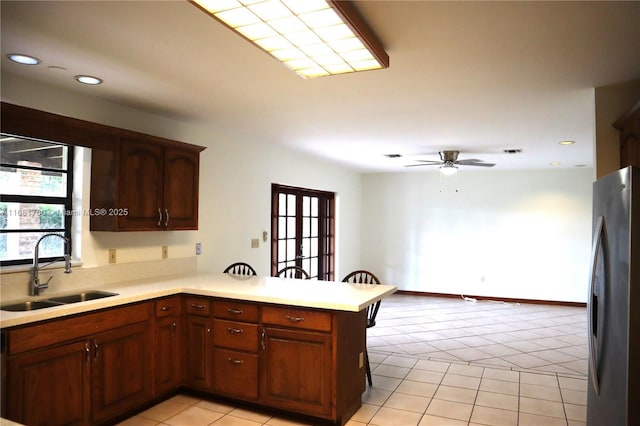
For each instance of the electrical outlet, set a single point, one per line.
(198, 248)
(112, 255)
(255, 243)
(165, 252)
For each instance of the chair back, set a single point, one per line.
(365, 277)
(293, 272)
(240, 268)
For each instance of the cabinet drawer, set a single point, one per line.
(235, 335)
(235, 374)
(167, 306)
(198, 306)
(297, 318)
(237, 311)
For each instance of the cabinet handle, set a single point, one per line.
(234, 330)
(198, 306)
(166, 308)
(294, 319)
(262, 334)
(95, 349)
(166, 222)
(173, 328)
(235, 361)
(235, 311)
(159, 217)
(87, 353)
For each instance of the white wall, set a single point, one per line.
(509, 234)
(235, 186)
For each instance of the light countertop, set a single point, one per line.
(295, 292)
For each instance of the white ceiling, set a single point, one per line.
(479, 77)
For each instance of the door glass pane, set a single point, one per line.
(282, 204)
(282, 228)
(313, 268)
(291, 249)
(314, 206)
(291, 205)
(306, 206)
(314, 227)
(282, 250)
(306, 247)
(306, 227)
(291, 227)
(314, 247)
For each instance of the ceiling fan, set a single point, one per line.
(449, 162)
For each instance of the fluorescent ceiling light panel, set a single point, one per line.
(312, 37)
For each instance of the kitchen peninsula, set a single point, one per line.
(297, 346)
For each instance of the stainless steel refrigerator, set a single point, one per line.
(614, 301)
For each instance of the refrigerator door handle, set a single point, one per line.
(595, 252)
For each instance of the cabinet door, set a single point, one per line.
(296, 371)
(121, 371)
(167, 354)
(140, 186)
(198, 359)
(50, 386)
(180, 189)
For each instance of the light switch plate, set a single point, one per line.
(255, 243)
(112, 255)
(165, 252)
(198, 248)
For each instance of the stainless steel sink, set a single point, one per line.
(82, 297)
(57, 301)
(30, 306)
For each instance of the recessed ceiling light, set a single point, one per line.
(555, 163)
(23, 59)
(567, 142)
(88, 79)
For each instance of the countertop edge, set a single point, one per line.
(257, 289)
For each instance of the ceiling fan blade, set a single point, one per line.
(426, 163)
(474, 163)
(429, 161)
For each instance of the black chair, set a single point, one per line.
(240, 268)
(293, 272)
(366, 277)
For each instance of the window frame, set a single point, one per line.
(66, 202)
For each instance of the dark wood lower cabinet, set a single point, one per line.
(50, 387)
(121, 370)
(296, 371)
(198, 346)
(168, 345)
(97, 368)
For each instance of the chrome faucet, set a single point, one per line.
(35, 282)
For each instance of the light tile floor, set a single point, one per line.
(440, 361)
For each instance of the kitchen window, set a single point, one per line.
(303, 226)
(36, 181)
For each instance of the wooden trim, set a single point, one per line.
(35, 124)
(495, 299)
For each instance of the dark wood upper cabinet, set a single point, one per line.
(155, 187)
(139, 182)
